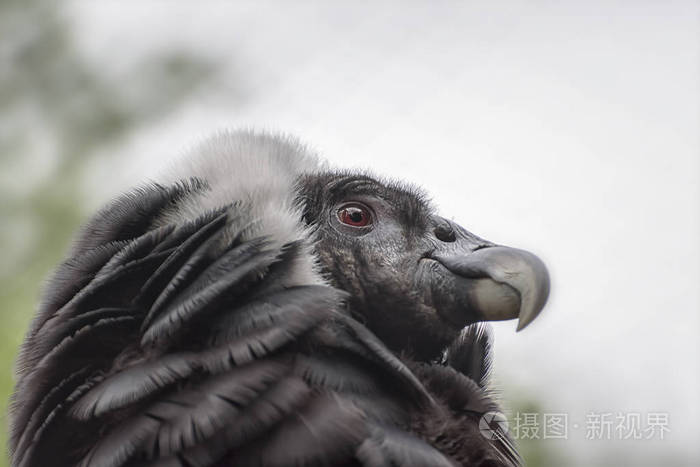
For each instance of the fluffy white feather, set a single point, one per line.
(258, 172)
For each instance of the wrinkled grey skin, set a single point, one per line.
(414, 270)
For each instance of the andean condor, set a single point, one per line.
(257, 308)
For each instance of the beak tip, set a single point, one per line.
(528, 314)
(522, 324)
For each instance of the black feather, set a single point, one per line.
(54, 398)
(135, 384)
(188, 265)
(325, 432)
(53, 451)
(387, 447)
(255, 331)
(339, 372)
(471, 353)
(181, 420)
(191, 236)
(350, 335)
(224, 277)
(69, 356)
(267, 411)
(108, 232)
(135, 250)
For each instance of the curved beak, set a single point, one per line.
(507, 282)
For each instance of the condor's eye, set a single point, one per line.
(354, 215)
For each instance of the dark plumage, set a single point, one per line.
(268, 312)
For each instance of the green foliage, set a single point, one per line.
(57, 110)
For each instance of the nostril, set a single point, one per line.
(445, 233)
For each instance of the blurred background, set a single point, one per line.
(566, 128)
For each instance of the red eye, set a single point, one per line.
(355, 216)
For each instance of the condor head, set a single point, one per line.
(415, 279)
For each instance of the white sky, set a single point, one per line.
(566, 128)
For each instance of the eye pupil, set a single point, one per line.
(354, 216)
